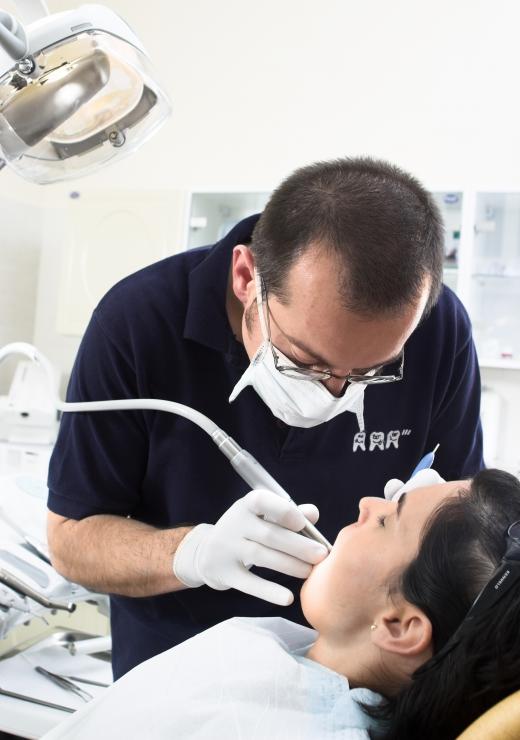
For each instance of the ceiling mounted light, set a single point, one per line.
(76, 91)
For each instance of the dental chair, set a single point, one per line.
(501, 722)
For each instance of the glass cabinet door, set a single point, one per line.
(495, 279)
(213, 215)
(450, 204)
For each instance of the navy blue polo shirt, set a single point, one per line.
(164, 333)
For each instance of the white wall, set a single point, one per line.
(506, 385)
(20, 237)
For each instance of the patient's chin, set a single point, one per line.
(306, 601)
(310, 591)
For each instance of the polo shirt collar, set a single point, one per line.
(206, 318)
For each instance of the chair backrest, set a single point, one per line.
(501, 722)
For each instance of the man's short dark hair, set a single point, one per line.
(382, 224)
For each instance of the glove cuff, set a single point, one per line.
(185, 558)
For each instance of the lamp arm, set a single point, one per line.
(12, 36)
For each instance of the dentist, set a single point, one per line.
(320, 337)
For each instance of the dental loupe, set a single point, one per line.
(247, 467)
(76, 91)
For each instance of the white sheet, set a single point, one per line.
(243, 679)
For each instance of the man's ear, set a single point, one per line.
(243, 274)
(403, 630)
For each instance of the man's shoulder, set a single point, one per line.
(158, 293)
(163, 280)
(448, 324)
(449, 308)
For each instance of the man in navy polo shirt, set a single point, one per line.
(326, 323)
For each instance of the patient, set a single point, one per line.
(395, 588)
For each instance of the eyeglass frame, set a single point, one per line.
(307, 373)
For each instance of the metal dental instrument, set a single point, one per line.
(34, 700)
(89, 646)
(89, 681)
(64, 683)
(23, 589)
(247, 467)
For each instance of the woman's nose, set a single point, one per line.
(369, 505)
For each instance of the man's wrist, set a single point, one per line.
(184, 562)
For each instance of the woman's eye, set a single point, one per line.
(381, 520)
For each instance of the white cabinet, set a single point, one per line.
(212, 215)
(494, 297)
(450, 204)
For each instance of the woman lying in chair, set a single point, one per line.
(416, 612)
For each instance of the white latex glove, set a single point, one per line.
(426, 477)
(259, 529)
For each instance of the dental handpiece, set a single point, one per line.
(250, 470)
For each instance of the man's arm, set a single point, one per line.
(113, 554)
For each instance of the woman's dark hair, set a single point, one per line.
(379, 221)
(462, 544)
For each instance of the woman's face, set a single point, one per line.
(345, 590)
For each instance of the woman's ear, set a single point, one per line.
(243, 274)
(403, 630)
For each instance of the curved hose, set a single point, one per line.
(146, 404)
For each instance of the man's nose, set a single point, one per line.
(335, 386)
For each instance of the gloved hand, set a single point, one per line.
(426, 477)
(259, 529)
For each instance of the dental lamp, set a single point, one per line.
(76, 91)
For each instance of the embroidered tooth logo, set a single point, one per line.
(379, 440)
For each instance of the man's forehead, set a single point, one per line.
(314, 316)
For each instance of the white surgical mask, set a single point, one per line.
(299, 403)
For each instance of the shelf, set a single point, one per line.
(499, 364)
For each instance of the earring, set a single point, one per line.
(373, 627)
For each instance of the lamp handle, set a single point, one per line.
(31, 10)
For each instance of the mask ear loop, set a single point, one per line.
(260, 305)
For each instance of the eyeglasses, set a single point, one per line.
(506, 575)
(309, 373)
